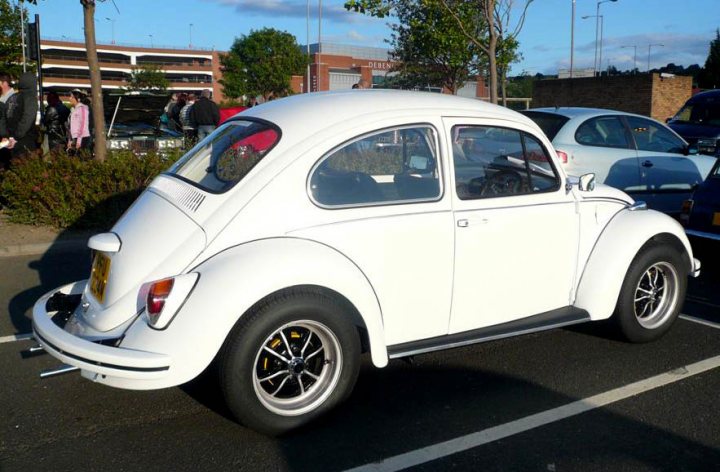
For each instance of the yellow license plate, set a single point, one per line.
(99, 276)
(716, 218)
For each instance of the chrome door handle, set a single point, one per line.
(463, 223)
(647, 164)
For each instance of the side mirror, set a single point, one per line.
(692, 150)
(587, 183)
(668, 120)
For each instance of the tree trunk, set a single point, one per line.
(492, 49)
(95, 79)
(503, 85)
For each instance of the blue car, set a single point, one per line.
(698, 122)
(701, 214)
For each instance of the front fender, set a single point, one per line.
(232, 281)
(615, 249)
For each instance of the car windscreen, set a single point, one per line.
(225, 157)
(702, 113)
(550, 123)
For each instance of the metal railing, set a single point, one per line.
(134, 45)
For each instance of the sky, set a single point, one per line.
(684, 28)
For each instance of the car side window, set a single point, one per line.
(498, 162)
(651, 136)
(605, 131)
(392, 166)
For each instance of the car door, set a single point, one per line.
(605, 148)
(668, 176)
(516, 227)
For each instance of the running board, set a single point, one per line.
(63, 369)
(565, 316)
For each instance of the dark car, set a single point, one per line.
(698, 122)
(133, 122)
(701, 214)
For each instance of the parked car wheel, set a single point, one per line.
(652, 294)
(289, 361)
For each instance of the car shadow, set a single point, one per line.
(67, 259)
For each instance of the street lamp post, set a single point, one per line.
(112, 22)
(649, 48)
(597, 65)
(190, 43)
(598, 19)
(634, 55)
(152, 45)
(572, 38)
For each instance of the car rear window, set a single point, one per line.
(225, 157)
(550, 123)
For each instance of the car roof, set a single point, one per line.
(325, 109)
(581, 112)
(699, 97)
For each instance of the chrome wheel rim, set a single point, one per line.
(297, 368)
(656, 295)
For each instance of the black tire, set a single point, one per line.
(272, 395)
(652, 293)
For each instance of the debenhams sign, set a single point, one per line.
(380, 65)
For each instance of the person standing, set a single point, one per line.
(205, 114)
(22, 109)
(56, 116)
(6, 91)
(79, 137)
(188, 125)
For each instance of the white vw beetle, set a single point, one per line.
(314, 228)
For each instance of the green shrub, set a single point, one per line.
(77, 192)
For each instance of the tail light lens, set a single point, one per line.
(562, 155)
(687, 207)
(156, 297)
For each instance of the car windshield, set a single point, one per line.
(550, 123)
(700, 113)
(225, 157)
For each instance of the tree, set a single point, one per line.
(710, 75)
(148, 77)
(488, 28)
(95, 79)
(262, 63)
(10, 38)
(428, 47)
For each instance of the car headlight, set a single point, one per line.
(119, 144)
(169, 143)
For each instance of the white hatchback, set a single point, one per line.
(310, 229)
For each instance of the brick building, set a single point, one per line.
(656, 95)
(339, 66)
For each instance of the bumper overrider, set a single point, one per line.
(110, 364)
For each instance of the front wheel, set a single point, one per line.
(652, 294)
(289, 361)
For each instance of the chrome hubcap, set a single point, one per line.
(297, 368)
(656, 295)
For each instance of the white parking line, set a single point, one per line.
(15, 337)
(700, 321)
(470, 441)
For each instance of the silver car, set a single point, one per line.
(633, 153)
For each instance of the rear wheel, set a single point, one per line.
(289, 361)
(652, 294)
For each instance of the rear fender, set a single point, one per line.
(234, 280)
(616, 248)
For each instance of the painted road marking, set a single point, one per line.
(15, 337)
(700, 321)
(486, 436)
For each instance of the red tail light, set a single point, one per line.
(687, 207)
(562, 155)
(158, 293)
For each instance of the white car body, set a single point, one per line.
(421, 275)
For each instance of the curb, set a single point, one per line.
(67, 245)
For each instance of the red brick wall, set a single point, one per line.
(642, 94)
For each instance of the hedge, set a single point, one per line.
(78, 192)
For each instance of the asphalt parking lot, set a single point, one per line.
(567, 399)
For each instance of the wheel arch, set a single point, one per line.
(621, 240)
(233, 281)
